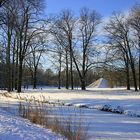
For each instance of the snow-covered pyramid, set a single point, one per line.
(100, 83)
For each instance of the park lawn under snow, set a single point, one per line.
(100, 125)
(117, 99)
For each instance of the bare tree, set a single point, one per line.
(62, 30)
(57, 59)
(134, 21)
(66, 23)
(59, 55)
(7, 17)
(26, 23)
(119, 32)
(36, 50)
(117, 57)
(87, 25)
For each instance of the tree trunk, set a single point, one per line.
(16, 64)
(127, 76)
(83, 84)
(71, 59)
(34, 82)
(139, 69)
(134, 76)
(13, 74)
(132, 64)
(59, 80)
(34, 79)
(139, 63)
(59, 73)
(16, 71)
(13, 67)
(19, 77)
(67, 71)
(126, 60)
(83, 87)
(71, 71)
(8, 62)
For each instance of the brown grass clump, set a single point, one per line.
(38, 113)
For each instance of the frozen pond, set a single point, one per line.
(97, 124)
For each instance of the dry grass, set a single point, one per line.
(38, 113)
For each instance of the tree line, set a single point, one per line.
(71, 42)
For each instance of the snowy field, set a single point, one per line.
(120, 119)
(97, 98)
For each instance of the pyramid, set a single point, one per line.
(100, 83)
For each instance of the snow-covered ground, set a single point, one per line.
(100, 125)
(116, 99)
(15, 128)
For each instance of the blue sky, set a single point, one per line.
(104, 7)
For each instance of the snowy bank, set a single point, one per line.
(16, 128)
